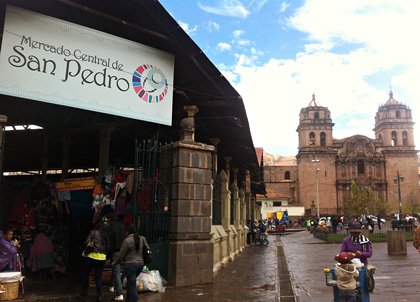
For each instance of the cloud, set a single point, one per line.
(222, 46)
(242, 42)
(212, 26)
(187, 29)
(257, 5)
(284, 6)
(351, 56)
(237, 33)
(228, 8)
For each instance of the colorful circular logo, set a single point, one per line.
(150, 83)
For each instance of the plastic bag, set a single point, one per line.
(150, 281)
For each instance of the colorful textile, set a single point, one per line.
(8, 254)
(42, 253)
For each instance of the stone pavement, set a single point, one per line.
(258, 273)
(396, 277)
(262, 274)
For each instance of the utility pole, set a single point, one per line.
(398, 179)
(316, 161)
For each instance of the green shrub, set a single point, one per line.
(373, 237)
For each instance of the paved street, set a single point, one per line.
(254, 275)
(396, 277)
(261, 274)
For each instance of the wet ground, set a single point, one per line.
(269, 273)
(397, 278)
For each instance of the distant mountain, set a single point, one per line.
(277, 160)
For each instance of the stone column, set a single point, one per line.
(189, 165)
(215, 141)
(227, 160)
(242, 217)
(236, 201)
(242, 206)
(248, 195)
(225, 200)
(253, 214)
(104, 143)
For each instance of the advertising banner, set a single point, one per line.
(50, 60)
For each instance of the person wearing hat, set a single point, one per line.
(346, 277)
(357, 243)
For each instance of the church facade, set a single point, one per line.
(387, 164)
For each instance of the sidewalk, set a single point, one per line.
(396, 277)
(254, 275)
(268, 274)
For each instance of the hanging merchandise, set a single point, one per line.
(107, 180)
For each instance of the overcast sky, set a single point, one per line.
(277, 53)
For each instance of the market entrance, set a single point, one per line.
(151, 205)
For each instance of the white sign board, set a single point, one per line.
(54, 61)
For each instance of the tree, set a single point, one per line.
(411, 206)
(362, 200)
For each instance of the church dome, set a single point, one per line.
(391, 100)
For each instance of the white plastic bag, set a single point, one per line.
(150, 281)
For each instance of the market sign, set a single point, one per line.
(50, 60)
(75, 184)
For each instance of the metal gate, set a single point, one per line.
(151, 202)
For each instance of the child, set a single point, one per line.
(346, 277)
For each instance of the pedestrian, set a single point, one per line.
(378, 217)
(357, 243)
(116, 238)
(9, 258)
(370, 225)
(95, 259)
(308, 224)
(334, 222)
(346, 277)
(329, 225)
(132, 256)
(416, 236)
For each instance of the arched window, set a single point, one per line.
(380, 137)
(323, 139)
(394, 138)
(316, 115)
(287, 175)
(405, 138)
(398, 114)
(312, 138)
(360, 167)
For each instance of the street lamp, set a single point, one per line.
(317, 186)
(398, 179)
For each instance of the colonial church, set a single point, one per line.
(325, 166)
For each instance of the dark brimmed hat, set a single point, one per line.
(355, 227)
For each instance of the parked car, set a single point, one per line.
(375, 219)
(408, 218)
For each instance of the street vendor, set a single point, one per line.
(8, 251)
(357, 243)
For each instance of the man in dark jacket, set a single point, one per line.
(116, 235)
